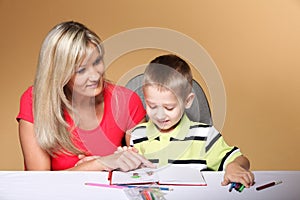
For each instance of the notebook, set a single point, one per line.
(169, 175)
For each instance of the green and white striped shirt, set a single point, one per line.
(190, 143)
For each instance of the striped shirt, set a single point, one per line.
(190, 143)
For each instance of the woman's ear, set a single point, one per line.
(189, 100)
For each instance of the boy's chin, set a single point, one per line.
(165, 129)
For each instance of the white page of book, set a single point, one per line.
(138, 176)
(171, 174)
(177, 175)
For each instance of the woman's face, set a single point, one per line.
(88, 78)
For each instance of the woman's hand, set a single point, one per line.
(83, 158)
(123, 159)
(125, 148)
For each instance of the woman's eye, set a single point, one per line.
(97, 61)
(80, 71)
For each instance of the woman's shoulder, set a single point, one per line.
(25, 111)
(113, 88)
(27, 94)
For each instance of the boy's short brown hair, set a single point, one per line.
(169, 72)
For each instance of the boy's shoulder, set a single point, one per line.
(140, 129)
(199, 125)
(200, 129)
(138, 133)
(140, 126)
(194, 124)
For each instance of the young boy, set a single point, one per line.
(170, 137)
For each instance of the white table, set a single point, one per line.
(20, 185)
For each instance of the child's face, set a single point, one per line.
(163, 107)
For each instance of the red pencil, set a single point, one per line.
(109, 176)
(268, 185)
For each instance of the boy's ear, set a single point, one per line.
(189, 100)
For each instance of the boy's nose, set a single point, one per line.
(160, 114)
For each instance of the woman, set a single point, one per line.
(79, 117)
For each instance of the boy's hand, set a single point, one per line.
(236, 173)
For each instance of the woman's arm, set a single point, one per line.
(35, 157)
(124, 160)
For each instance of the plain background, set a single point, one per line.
(255, 44)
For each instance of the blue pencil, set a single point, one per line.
(232, 186)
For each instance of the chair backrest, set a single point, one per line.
(199, 111)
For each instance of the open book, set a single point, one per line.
(169, 175)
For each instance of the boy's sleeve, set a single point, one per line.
(137, 137)
(219, 153)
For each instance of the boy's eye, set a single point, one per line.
(151, 106)
(169, 108)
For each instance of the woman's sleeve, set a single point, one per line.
(136, 109)
(26, 111)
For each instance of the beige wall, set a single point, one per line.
(255, 44)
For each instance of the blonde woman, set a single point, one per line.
(79, 117)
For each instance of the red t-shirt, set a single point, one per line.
(123, 109)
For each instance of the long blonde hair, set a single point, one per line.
(64, 47)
